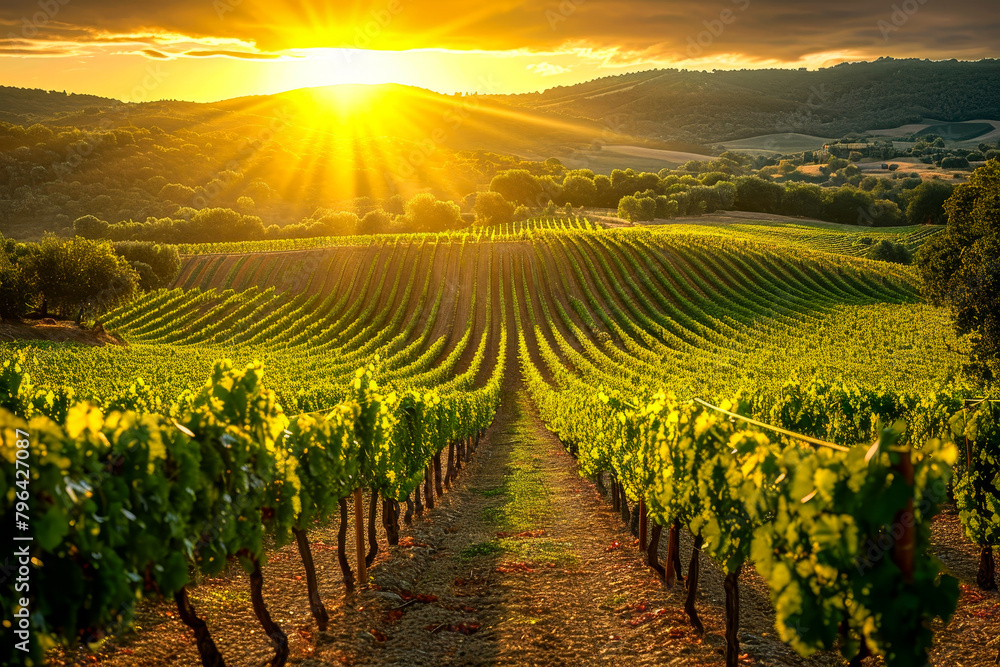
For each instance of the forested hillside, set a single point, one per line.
(716, 106)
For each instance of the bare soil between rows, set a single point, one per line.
(55, 331)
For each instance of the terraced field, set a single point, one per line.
(730, 381)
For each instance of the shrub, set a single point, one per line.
(955, 162)
(887, 251)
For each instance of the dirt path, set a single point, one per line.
(524, 564)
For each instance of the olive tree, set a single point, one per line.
(78, 276)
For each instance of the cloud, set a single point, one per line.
(629, 33)
(547, 69)
(233, 54)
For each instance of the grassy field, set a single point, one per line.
(785, 142)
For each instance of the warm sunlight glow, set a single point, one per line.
(346, 102)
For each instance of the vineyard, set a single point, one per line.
(786, 405)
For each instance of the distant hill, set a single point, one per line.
(711, 107)
(26, 106)
(664, 109)
(388, 112)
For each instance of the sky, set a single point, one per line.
(206, 50)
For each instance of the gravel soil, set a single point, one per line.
(522, 562)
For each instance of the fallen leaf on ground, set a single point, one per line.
(409, 542)
(645, 618)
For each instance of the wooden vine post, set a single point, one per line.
(903, 549)
(359, 536)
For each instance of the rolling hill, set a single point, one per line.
(710, 107)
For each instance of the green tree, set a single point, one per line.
(425, 213)
(837, 163)
(492, 209)
(162, 259)
(375, 222)
(960, 267)
(754, 193)
(926, 203)
(79, 275)
(803, 199)
(578, 190)
(220, 224)
(148, 280)
(636, 209)
(848, 206)
(14, 288)
(338, 223)
(666, 208)
(246, 205)
(518, 186)
(90, 227)
(175, 192)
